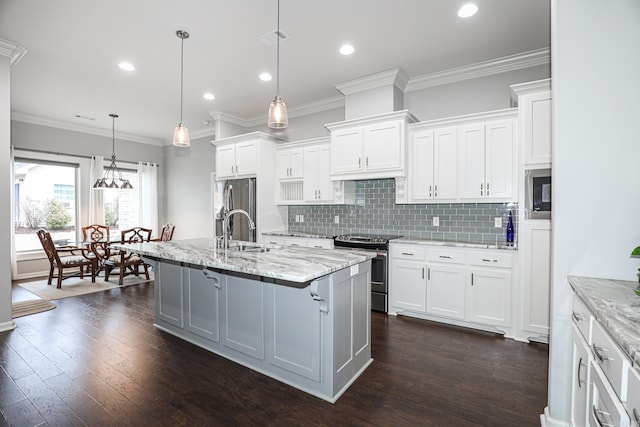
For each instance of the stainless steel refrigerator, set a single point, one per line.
(232, 194)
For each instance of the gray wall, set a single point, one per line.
(375, 212)
(188, 188)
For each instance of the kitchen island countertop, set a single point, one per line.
(616, 306)
(292, 264)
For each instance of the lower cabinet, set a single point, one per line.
(451, 285)
(580, 379)
(241, 312)
(169, 287)
(202, 311)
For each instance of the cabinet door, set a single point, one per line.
(169, 285)
(310, 180)
(471, 161)
(408, 285)
(445, 160)
(325, 185)
(499, 160)
(282, 164)
(489, 300)
(346, 151)
(580, 380)
(536, 113)
(535, 244)
(446, 290)
(241, 313)
(226, 161)
(421, 166)
(246, 158)
(289, 163)
(293, 330)
(202, 304)
(382, 147)
(296, 166)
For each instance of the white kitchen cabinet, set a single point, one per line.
(490, 296)
(432, 165)
(534, 102)
(580, 403)
(369, 148)
(317, 183)
(486, 161)
(237, 160)
(410, 285)
(446, 290)
(289, 163)
(633, 396)
(535, 251)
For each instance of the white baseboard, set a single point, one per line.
(547, 421)
(7, 326)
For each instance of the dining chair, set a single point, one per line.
(166, 233)
(98, 237)
(128, 262)
(66, 258)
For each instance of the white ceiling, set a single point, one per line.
(74, 46)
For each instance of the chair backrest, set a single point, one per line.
(95, 233)
(135, 235)
(48, 246)
(167, 232)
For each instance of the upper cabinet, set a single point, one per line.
(432, 165)
(240, 156)
(534, 104)
(289, 163)
(486, 161)
(369, 148)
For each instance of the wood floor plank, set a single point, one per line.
(104, 363)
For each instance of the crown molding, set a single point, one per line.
(395, 77)
(42, 121)
(229, 118)
(519, 61)
(530, 87)
(12, 50)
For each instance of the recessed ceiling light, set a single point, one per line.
(467, 10)
(347, 49)
(209, 96)
(126, 66)
(265, 77)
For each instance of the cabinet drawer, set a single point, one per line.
(439, 255)
(415, 252)
(606, 409)
(582, 318)
(320, 243)
(633, 396)
(609, 357)
(491, 259)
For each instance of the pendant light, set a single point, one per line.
(181, 133)
(278, 109)
(112, 169)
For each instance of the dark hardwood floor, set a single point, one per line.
(97, 360)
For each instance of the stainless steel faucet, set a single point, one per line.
(225, 225)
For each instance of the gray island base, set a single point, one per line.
(313, 333)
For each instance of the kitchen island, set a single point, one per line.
(299, 315)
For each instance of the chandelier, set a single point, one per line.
(109, 178)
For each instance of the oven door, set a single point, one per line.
(379, 282)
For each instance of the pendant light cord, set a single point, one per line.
(278, 55)
(181, 74)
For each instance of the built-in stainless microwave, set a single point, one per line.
(538, 194)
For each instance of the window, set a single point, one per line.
(45, 197)
(121, 207)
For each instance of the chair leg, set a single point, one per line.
(94, 268)
(107, 270)
(50, 275)
(59, 278)
(121, 279)
(146, 270)
(82, 272)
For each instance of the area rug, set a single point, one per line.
(33, 306)
(76, 286)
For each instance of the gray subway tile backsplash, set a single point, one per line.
(375, 212)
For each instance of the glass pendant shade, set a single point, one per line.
(181, 136)
(278, 114)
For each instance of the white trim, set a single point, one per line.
(530, 87)
(363, 121)
(507, 113)
(7, 326)
(12, 50)
(481, 69)
(395, 77)
(53, 123)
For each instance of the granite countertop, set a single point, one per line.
(418, 241)
(285, 233)
(293, 264)
(616, 307)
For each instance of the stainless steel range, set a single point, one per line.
(379, 264)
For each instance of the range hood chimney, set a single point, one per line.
(375, 94)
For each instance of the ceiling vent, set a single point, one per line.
(270, 37)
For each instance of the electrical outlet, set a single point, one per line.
(436, 221)
(336, 219)
(301, 218)
(297, 218)
(497, 222)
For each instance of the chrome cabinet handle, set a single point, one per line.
(487, 188)
(231, 168)
(580, 365)
(429, 191)
(489, 260)
(597, 413)
(428, 274)
(445, 256)
(318, 194)
(636, 415)
(577, 317)
(436, 191)
(367, 163)
(597, 351)
(471, 279)
(407, 253)
(359, 162)
(422, 273)
(481, 189)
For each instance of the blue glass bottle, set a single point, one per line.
(510, 229)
